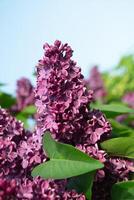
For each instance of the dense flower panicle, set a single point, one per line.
(120, 167)
(19, 149)
(20, 152)
(46, 190)
(61, 96)
(7, 189)
(36, 189)
(9, 126)
(96, 84)
(60, 88)
(11, 132)
(30, 151)
(25, 95)
(129, 99)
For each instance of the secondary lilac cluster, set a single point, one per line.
(24, 95)
(11, 132)
(96, 84)
(20, 152)
(128, 98)
(62, 102)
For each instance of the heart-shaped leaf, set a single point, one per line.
(65, 161)
(122, 146)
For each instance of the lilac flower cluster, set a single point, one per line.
(20, 152)
(46, 190)
(62, 102)
(62, 99)
(25, 95)
(96, 84)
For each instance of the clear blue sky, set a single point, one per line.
(99, 31)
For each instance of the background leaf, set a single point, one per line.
(29, 110)
(6, 100)
(120, 130)
(122, 146)
(113, 109)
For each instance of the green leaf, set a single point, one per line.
(112, 110)
(120, 130)
(6, 100)
(82, 184)
(62, 168)
(123, 191)
(65, 161)
(122, 146)
(29, 110)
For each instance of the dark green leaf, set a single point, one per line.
(122, 146)
(6, 100)
(82, 184)
(123, 191)
(120, 130)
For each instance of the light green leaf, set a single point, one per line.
(62, 168)
(113, 109)
(122, 146)
(65, 161)
(29, 110)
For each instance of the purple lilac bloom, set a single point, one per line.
(11, 132)
(20, 152)
(96, 84)
(62, 98)
(25, 95)
(46, 190)
(36, 189)
(7, 189)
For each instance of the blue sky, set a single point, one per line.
(99, 31)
